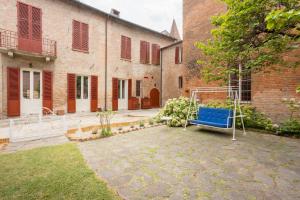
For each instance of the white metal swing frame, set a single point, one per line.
(234, 92)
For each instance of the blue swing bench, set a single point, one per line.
(214, 117)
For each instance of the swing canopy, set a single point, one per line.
(214, 117)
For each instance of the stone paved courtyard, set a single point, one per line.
(169, 163)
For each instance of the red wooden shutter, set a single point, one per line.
(128, 48)
(76, 35)
(23, 27)
(36, 30)
(142, 60)
(71, 93)
(48, 90)
(177, 55)
(29, 28)
(115, 83)
(155, 54)
(94, 93)
(84, 37)
(147, 44)
(158, 54)
(13, 92)
(123, 47)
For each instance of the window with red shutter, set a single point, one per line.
(84, 37)
(177, 55)
(142, 52)
(23, 20)
(29, 28)
(145, 52)
(80, 36)
(128, 48)
(155, 54)
(125, 47)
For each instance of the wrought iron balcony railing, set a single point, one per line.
(10, 40)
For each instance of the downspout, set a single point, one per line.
(105, 89)
(161, 78)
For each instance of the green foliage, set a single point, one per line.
(252, 118)
(279, 19)
(177, 109)
(292, 105)
(253, 34)
(142, 124)
(290, 127)
(298, 89)
(106, 132)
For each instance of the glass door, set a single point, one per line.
(83, 93)
(31, 90)
(123, 94)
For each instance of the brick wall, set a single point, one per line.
(57, 17)
(268, 89)
(149, 74)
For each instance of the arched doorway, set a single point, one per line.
(154, 98)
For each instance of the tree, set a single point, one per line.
(253, 34)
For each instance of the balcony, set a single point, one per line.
(14, 45)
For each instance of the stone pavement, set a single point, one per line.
(21, 146)
(169, 163)
(26, 129)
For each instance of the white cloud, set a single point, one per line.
(155, 14)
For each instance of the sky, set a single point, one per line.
(154, 14)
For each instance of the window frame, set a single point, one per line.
(246, 81)
(155, 54)
(180, 82)
(126, 49)
(81, 38)
(138, 89)
(144, 52)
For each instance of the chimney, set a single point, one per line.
(115, 12)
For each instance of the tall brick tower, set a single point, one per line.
(197, 26)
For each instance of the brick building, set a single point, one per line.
(263, 90)
(92, 60)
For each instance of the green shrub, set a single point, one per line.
(142, 124)
(106, 132)
(177, 109)
(290, 127)
(252, 118)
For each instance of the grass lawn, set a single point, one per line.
(50, 173)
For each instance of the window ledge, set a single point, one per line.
(79, 50)
(125, 59)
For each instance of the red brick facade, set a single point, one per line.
(268, 89)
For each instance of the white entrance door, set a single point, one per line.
(123, 94)
(31, 91)
(82, 93)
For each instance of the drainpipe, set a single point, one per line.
(161, 78)
(105, 89)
